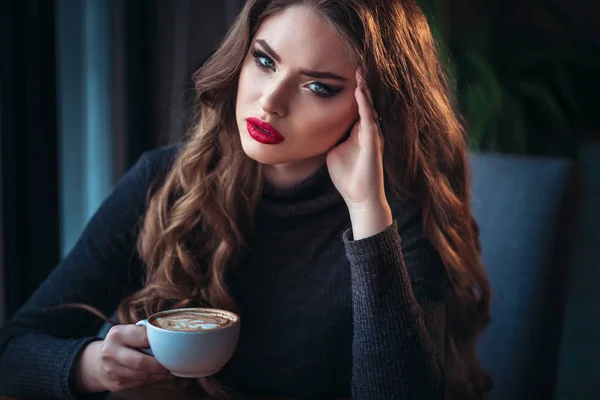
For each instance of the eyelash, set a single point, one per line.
(257, 54)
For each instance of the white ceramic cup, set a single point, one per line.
(192, 354)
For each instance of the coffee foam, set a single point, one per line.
(192, 321)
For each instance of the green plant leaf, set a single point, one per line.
(549, 114)
(487, 77)
(478, 110)
(513, 135)
(518, 91)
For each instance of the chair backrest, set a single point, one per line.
(526, 210)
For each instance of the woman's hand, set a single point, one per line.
(115, 363)
(356, 169)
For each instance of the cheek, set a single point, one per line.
(243, 80)
(247, 85)
(331, 123)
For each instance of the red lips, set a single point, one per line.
(263, 132)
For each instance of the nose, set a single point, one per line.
(274, 99)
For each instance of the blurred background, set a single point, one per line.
(88, 85)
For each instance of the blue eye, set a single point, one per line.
(321, 89)
(262, 60)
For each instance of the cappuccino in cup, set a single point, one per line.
(193, 320)
(192, 342)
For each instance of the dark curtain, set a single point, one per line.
(28, 131)
(29, 150)
(155, 48)
(134, 70)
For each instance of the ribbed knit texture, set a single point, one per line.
(322, 315)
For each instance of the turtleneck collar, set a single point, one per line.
(313, 195)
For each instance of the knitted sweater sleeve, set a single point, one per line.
(39, 345)
(399, 294)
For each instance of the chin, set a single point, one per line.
(263, 153)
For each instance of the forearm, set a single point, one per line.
(37, 365)
(369, 219)
(394, 355)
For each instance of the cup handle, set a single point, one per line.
(146, 350)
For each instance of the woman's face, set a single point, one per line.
(299, 78)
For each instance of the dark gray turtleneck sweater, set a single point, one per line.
(322, 315)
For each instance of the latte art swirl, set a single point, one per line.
(192, 321)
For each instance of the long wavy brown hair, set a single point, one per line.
(198, 217)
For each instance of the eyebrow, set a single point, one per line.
(307, 72)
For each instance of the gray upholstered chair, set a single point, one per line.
(527, 211)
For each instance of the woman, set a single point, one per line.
(323, 195)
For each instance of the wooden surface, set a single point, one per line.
(162, 392)
(168, 392)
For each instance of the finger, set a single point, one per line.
(365, 111)
(354, 130)
(129, 335)
(360, 82)
(116, 386)
(120, 373)
(358, 77)
(119, 384)
(139, 361)
(369, 95)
